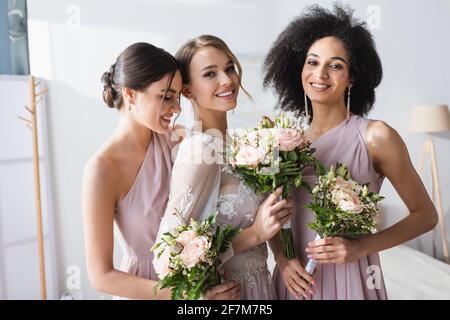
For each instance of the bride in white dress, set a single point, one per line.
(200, 186)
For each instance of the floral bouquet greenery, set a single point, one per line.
(272, 155)
(189, 257)
(342, 206)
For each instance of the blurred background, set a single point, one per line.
(67, 45)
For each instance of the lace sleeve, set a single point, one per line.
(194, 184)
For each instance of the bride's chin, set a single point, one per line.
(162, 128)
(230, 107)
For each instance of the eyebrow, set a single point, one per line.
(332, 58)
(215, 66)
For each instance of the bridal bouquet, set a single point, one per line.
(342, 206)
(190, 257)
(272, 155)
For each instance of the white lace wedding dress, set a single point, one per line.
(200, 187)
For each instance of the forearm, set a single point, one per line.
(245, 240)
(123, 284)
(277, 248)
(408, 228)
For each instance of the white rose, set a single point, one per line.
(186, 236)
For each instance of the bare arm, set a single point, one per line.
(276, 247)
(390, 156)
(98, 200)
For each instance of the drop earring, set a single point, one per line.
(348, 103)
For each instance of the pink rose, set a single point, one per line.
(290, 139)
(185, 237)
(353, 205)
(347, 200)
(162, 264)
(343, 184)
(195, 251)
(249, 156)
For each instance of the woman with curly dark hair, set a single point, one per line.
(325, 66)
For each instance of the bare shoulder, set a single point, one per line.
(384, 143)
(379, 133)
(100, 167)
(102, 171)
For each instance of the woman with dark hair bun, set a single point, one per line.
(126, 183)
(324, 65)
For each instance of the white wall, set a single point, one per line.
(19, 259)
(73, 42)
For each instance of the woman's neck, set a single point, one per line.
(133, 133)
(327, 117)
(211, 121)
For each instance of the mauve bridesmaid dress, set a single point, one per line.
(344, 143)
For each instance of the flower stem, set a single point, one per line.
(287, 241)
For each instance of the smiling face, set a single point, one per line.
(154, 107)
(325, 74)
(213, 83)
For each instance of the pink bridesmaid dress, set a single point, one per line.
(139, 213)
(361, 279)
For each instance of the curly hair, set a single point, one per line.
(283, 64)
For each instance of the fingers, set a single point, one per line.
(223, 287)
(234, 294)
(321, 249)
(297, 280)
(275, 223)
(322, 242)
(285, 218)
(290, 283)
(230, 290)
(273, 197)
(323, 256)
(292, 291)
(329, 261)
(282, 209)
(305, 275)
(282, 204)
(280, 214)
(296, 289)
(323, 252)
(327, 250)
(299, 284)
(236, 297)
(302, 272)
